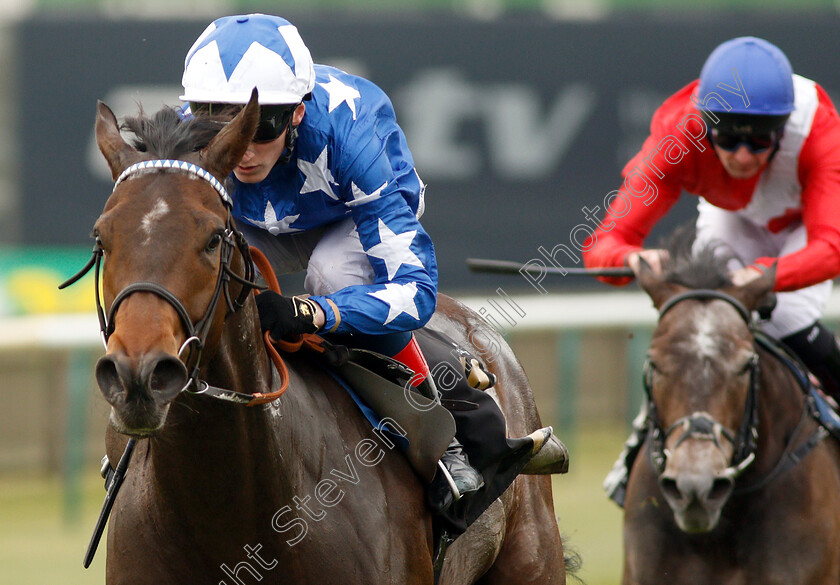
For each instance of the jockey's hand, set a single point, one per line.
(656, 258)
(286, 316)
(745, 275)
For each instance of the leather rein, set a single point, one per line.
(702, 425)
(196, 333)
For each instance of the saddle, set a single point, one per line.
(380, 386)
(383, 384)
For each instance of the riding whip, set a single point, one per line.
(535, 267)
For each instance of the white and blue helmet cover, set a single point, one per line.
(234, 54)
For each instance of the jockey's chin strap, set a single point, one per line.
(196, 333)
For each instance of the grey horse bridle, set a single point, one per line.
(701, 424)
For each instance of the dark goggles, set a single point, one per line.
(756, 143)
(274, 119)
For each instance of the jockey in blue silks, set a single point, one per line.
(327, 185)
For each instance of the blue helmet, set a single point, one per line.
(237, 53)
(766, 78)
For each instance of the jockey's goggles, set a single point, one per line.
(756, 143)
(274, 119)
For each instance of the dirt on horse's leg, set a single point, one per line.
(523, 557)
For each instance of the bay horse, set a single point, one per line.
(296, 489)
(736, 483)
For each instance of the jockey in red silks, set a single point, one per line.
(758, 146)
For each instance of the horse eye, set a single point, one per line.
(214, 242)
(98, 241)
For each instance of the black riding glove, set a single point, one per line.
(285, 316)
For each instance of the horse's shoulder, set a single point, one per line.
(315, 393)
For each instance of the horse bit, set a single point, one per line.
(701, 424)
(196, 333)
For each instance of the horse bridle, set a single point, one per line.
(196, 333)
(701, 424)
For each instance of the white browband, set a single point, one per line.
(179, 165)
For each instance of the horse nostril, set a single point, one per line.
(108, 377)
(668, 485)
(721, 488)
(167, 377)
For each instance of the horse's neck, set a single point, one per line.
(780, 404)
(241, 363)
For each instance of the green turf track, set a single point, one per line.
(39, 547)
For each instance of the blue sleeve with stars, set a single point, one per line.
(378, 183)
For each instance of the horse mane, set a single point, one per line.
(705, 266)
(167, 135)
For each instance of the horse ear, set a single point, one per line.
(116, 151)
(228, 147)
(757, 294)
(654, 284)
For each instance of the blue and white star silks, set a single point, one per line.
(351, 160)
(399, 298)
(318, 176)
(394, 249)
(272, 224)
(341, 94)
(339, 162)
(360, 197)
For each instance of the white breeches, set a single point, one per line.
(794, 310)
(332, 256)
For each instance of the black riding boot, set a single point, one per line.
(455, 477)
(818, 349)
(481, 430)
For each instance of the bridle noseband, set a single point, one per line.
(196, 333)
(701, 424)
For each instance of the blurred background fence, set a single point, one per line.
(520, 115)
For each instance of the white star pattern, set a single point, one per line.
(318, 175)
(340, 93)
(394, 249)
(400, 299)
(272, 224)
(360, 196)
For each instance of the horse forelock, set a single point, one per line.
(697, 266)
(167, 135)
